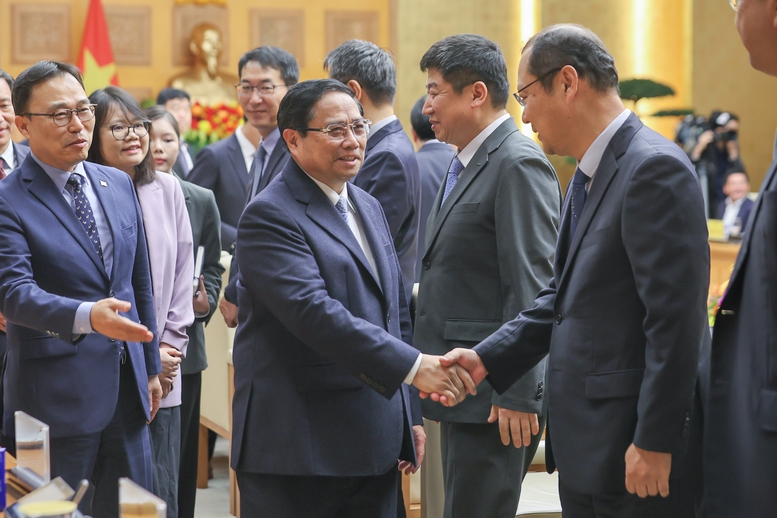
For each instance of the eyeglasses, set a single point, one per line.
(734, 4)
(121, 131)
(517, 94)
(63, 117)
(246, 90)
(336, 132)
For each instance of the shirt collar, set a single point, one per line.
(246, 147)
(9, 155)
(374, 128)
(58, 176)
(737, 203)
(469, 150)
(272, 139)
(593, 155)
(331, 193)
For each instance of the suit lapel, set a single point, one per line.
(236, 160)
(43, 188)
(108, 202)
(322, 212)
(274, 165)
(369, 219)
(468, 175)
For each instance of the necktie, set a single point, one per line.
(185, 159)
(2, 169)
(453, 176)
(255, 175)
(578, 200)
(84, 212)
(342, 208)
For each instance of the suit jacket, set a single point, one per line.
(169, 238)
(624, 317)
(744, 210)
(434, 159)
(221, 168)
(489, 250)
(206, 232)
(275, 164)
(321, 350)
(390, 174)
(741, 414)
(48, 268)
(179, 167)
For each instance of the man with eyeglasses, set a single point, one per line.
(322, 408)
(740, 421)
(489, 247)
(75, 288)
(623, 320)
(390, 171)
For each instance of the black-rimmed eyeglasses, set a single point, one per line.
(517, 94)
(246, 90)
(360, 129)
(63, 117)
(121, 131)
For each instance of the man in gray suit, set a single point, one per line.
(489, 250)
(740, 443)
(623, 319)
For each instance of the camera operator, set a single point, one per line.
(716, 149)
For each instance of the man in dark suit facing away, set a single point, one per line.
(179, 103)
(390, 170)
(489, 250)
(323, 366)
(433, 157)
(624, 318)
(740, 434)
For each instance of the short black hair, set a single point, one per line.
(157, 111)
(169, 93)
(298, 106)
(272, 57)
(38, 73)
(464, 59)
(736, 167)
(106, 100)
(420, 122)
(8, 78)
(371, 66)
(568, 44)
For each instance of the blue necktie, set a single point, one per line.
(84, 211)
(579, 182)
(453, 176)
(257, 166)
(342, 208)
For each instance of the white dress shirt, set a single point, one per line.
(466, 154)
(593, 155)
(247, 149)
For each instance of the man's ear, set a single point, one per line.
(21, 124)
(479, 92)
(356, 88)
(291, 137)
(570, 82)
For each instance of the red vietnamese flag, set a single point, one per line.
(96, 57)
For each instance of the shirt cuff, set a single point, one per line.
(82, 325)
(411, 375)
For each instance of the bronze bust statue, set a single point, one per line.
(203, 81)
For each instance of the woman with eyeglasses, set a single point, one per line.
(121, 140)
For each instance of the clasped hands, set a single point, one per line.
(448, 379)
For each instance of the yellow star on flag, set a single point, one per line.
(96, 76)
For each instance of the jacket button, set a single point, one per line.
(558, 319)
(111, 294)
(427, 265)
(388, 318)
(363, 377)
(382, 389)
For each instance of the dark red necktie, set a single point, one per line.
(2, 169)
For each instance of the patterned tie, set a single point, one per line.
(342, 208)
(255, 175)
(579, 182)
(84, 211)
(453, 176)
(2, 169)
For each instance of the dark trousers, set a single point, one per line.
(190, 443)
(289, 496)
(122, 449)
(165, 431)
(482, 476)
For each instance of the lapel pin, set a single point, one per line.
(103, 183)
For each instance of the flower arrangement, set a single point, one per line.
(213, 123)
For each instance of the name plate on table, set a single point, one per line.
(137, 502)
(33, 451)
(716, 230)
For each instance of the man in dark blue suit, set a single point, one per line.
(390, 170)
(623, 319)
(179, 103)
(11, 154)
(740, 434)
(736, 205)
(322, 407)
(74, 283)
(433, 157)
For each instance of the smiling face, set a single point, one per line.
(332, 162)
(7, 115)
(61, 147)
(447, 110)
(164, 144)
(261, 110)
(122, 154)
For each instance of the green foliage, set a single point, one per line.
(677, 112)
(636, 89)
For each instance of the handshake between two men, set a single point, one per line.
(448, 379)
